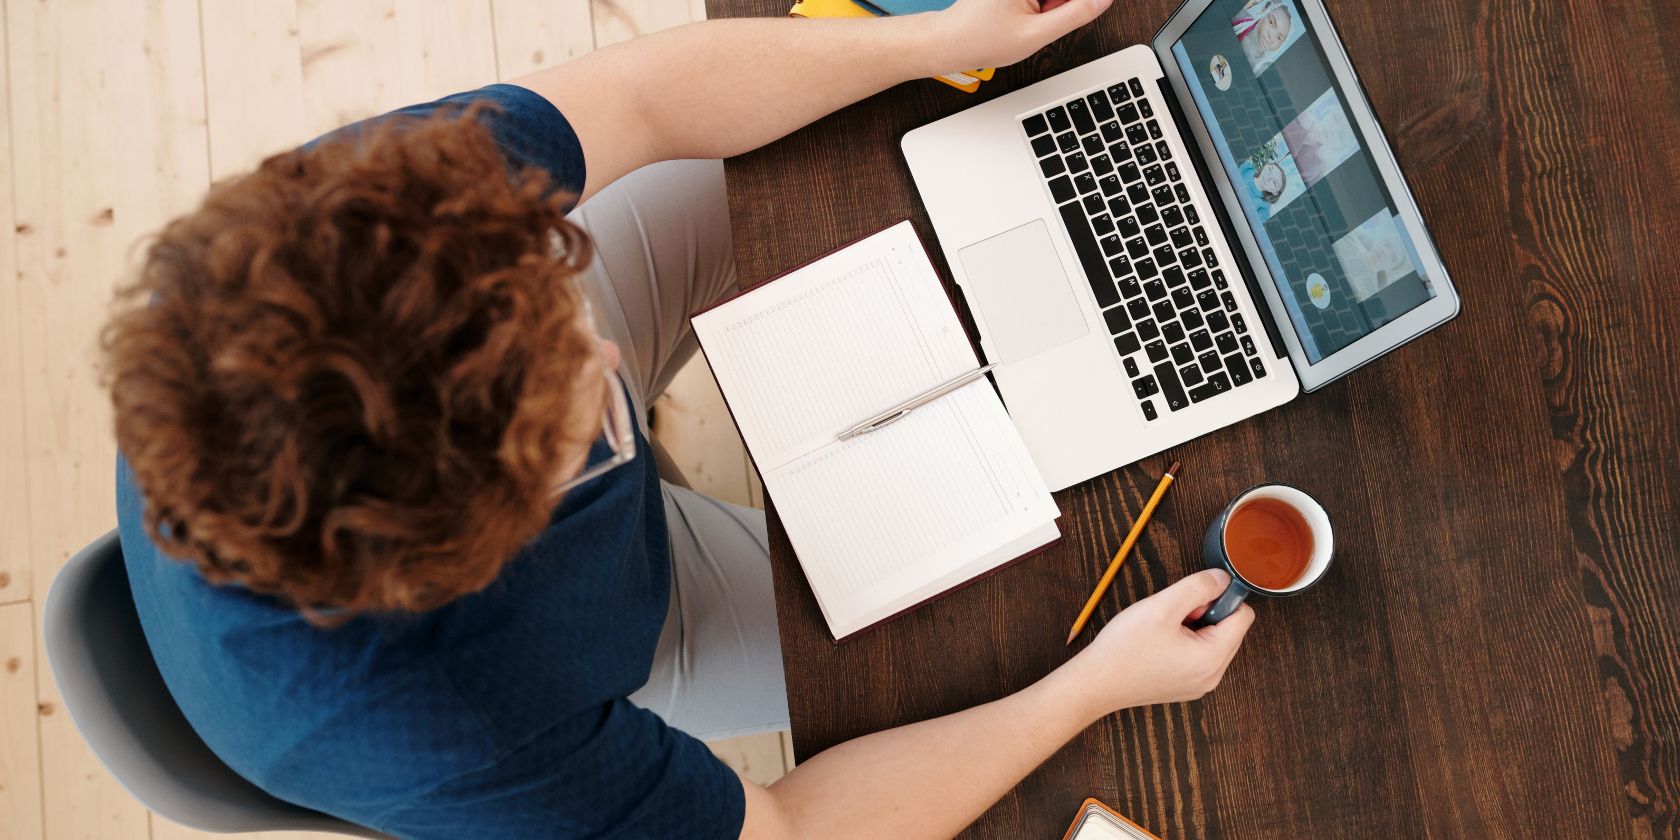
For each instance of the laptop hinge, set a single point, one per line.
(1269, 320)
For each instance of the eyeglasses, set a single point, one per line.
(617, 423)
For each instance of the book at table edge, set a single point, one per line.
(731, 409)
(1079, 818)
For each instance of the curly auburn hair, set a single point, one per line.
(351, 377)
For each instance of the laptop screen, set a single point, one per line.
(1342, 259)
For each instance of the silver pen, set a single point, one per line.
(897, 412)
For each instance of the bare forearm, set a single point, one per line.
(927, 779)
(723, 87)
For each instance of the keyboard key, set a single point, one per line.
(1127, 113)
(1191, 374)
(1067, 142)
(1118, 93)
(1155, 234)
(1189, 257)
(1081, 115)
(1181, 237)
(1216, 321)
(1172, 171)
(1153, 175)
(1147, 109)
(1258, 368)
(1172, 217)
(1138, 193)
(1182, 193)
(1110, 245)
(1191, 216)
(1164, 311)
(1182, 298)
(1213, 387)
(1117, 320)
(1061, 189)
(1145, 269)
(1225, 343)
(1111, 132)
(1155, 131)
(1145, 387)
(1238, 324)
(1129, 286)
(1192, 319)
(1164, 254)
(1199, 278)
(1156, 290)
(1230, 302)
(1127, 344)
(1173, 332)
(1149, 412)
(1202, 340)
(1248, 345)
(1100, 109)
(1052, 166)
(1219, 279)
(1092, 144)
(1058, 119)
(1138, 308)
(1136, 134)
(1170, 387)
(1210, 362)
(1146, 214)
(1201, 237)
(1162, 196)
(1239, 371)
(1210, 256)
(1173, 276)
(1121, 266)
(1156, 351)
(1044, 145)
(1090, 256)
(1145, 154)
(1147, 331)
(1131, 366)
(1136, 87)
(1207, 300)
(1182, 354)
(1128, 172)
(1035, 125)
(1111, 187)
(1084, 183)
(1101, 223)
(1136, 248)
(1093, 204)
(1101, 165)
(1129, 227)
(1118, 205)
(1120, 151)
(1076, 162)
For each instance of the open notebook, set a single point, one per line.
(887, 520)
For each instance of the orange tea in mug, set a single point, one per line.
(1269, 542)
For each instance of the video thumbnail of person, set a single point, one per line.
(1320, 138)
(1272, 178)
(1374, 255)
(1265, 28)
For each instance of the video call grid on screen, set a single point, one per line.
(1301, 233)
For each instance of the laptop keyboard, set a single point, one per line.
(1144, 248)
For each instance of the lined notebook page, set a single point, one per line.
(887, 519)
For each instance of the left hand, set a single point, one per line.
(974, 34)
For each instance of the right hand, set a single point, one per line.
(1148, 655)
(994, 33)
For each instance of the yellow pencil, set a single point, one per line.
(1120, 556)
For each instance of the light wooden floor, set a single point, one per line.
(116, 115)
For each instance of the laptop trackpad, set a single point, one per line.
(1017, 285)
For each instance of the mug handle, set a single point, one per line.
(1223, 606)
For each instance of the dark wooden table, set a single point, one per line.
(1497, 651)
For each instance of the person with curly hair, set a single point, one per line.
(392, 522)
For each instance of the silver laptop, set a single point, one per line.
(1175, 237)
